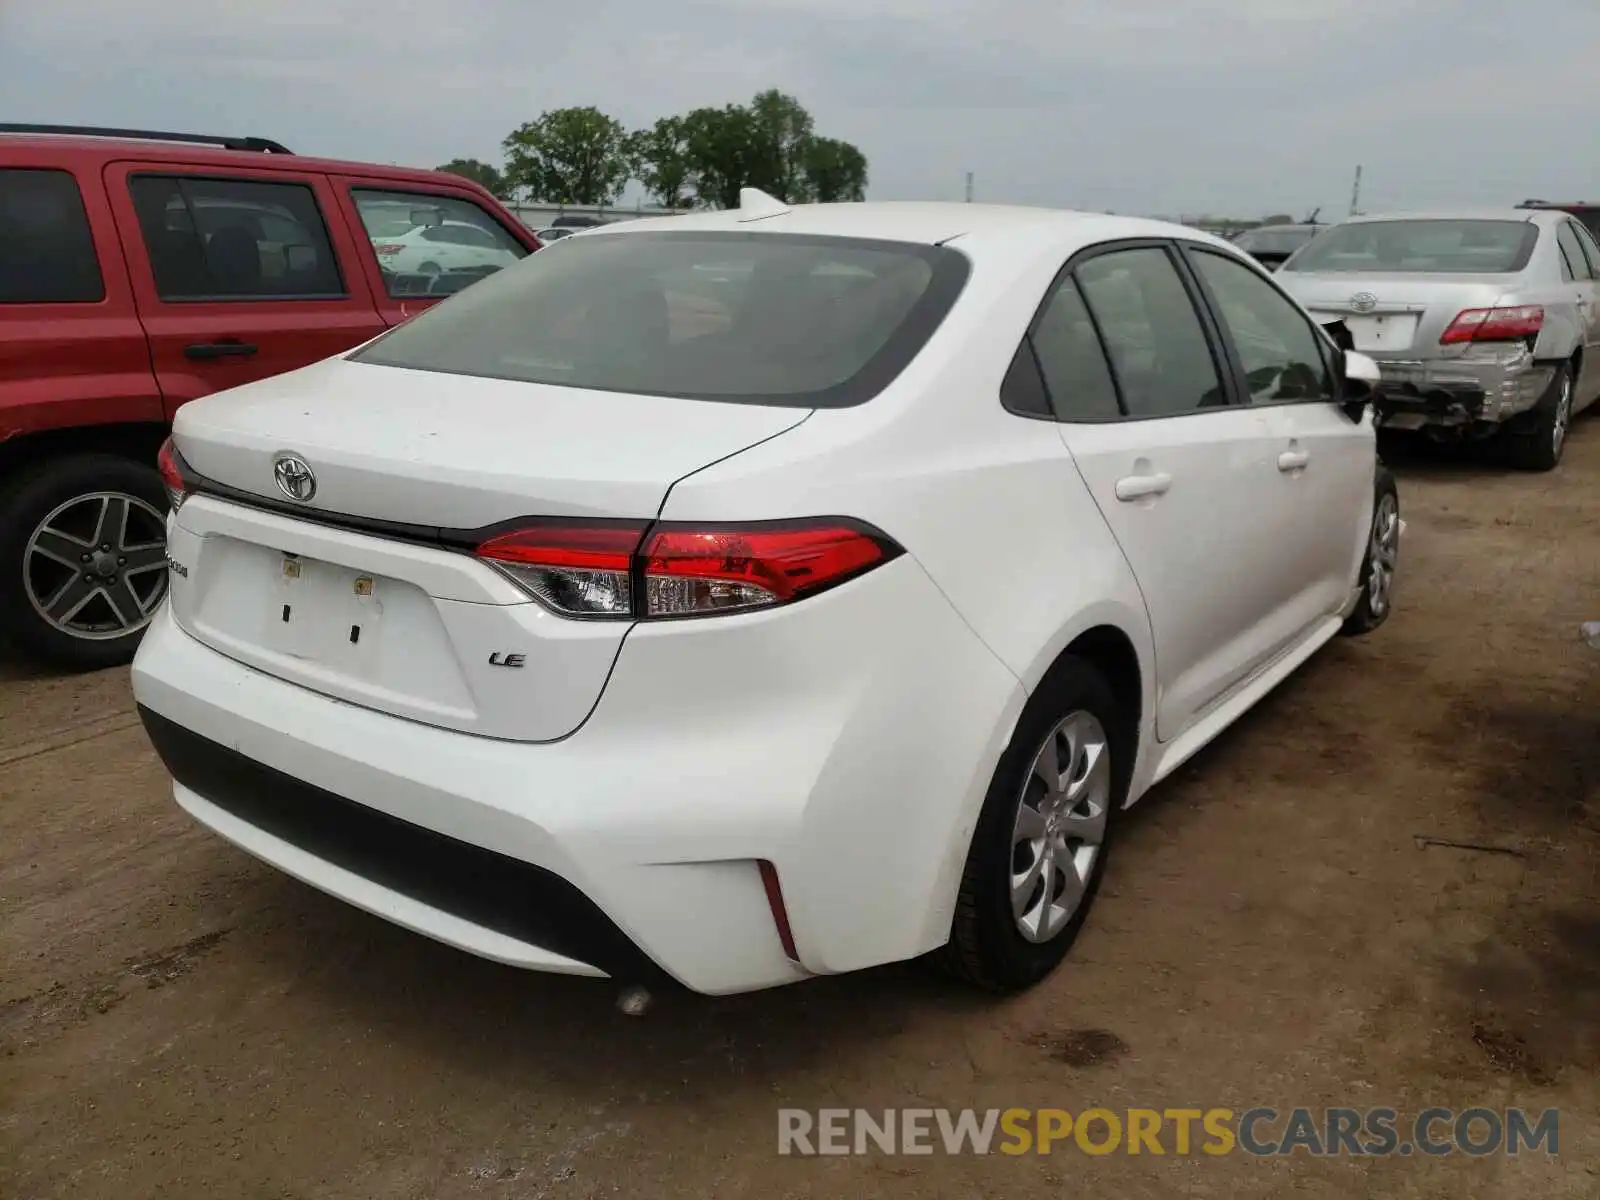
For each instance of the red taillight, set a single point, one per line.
(1495, 325)
(387, 250)
(169, 464)
(691, 569)
(589, 569)
(580, 569)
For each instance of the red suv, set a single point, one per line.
(140, 270)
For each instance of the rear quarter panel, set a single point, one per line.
(989, 503)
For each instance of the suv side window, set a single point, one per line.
(400, 224)
(1567, 236)
(234, 239)
(1282, 356)
(46, 247)
(1158, 348)
(1072, 360)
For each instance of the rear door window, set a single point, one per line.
(761, 318)
(234, 239)
(1158, 347)
(47, 251)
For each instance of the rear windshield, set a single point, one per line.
(1273, 241)
(1465, 247)
(759, 318)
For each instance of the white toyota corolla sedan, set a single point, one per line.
(746, 596)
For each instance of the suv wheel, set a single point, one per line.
(83, 563)
(1039, 851)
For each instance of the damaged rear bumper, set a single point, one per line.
(1467, 395)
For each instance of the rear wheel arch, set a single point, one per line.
(135, 440)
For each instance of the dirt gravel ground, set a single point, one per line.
(177, 1020)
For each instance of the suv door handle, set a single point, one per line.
(1293, 460)
(1137, 487)
(205, 350)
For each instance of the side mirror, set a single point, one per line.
(426, 216)
(1358, 368)
(1359, 377)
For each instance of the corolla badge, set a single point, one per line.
(294, 477)
(1363, 302)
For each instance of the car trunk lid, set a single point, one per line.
(1396, 316)
(368, 591)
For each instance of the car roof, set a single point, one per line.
(111, 149)
(920, 222)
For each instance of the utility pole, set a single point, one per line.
(1355, 195)
(969, 187)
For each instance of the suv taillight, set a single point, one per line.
(170, 464)
(633, 570)
(1494, 325)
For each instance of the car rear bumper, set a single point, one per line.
(1459, 391)
(848, 742)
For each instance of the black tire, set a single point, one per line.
(986, 946)
(1377, 598)
(25, 580)
(1535, 441)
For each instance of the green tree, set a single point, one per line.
(719, 147)
(781, 132)
(569, 156)
(479, 172)
(834, 171)
(658, 158)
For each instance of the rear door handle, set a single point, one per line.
(1293, 460)
(1137, 487)
(205, 350)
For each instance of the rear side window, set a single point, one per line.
(234, 239)
(429, 245)
(1481, 247)
(1163, 362)
(1590, 249)
(758, 318)
(46, 248)
(1072, 359)
(1567, 237)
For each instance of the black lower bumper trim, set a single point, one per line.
(488, 889)
(1454, 404)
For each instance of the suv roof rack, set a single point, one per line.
(253, 144)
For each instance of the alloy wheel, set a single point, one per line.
(1563, 416)
(1383, 553)
(1060, 826)
(96, 566)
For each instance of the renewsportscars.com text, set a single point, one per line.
(1262, 1132)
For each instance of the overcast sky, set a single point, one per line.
(1177, 107)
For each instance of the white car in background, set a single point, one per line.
(445, 246)
(824, 609)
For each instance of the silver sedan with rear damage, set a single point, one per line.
(1485, 325)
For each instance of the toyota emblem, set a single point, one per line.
(1363, 302)
(294, 478)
